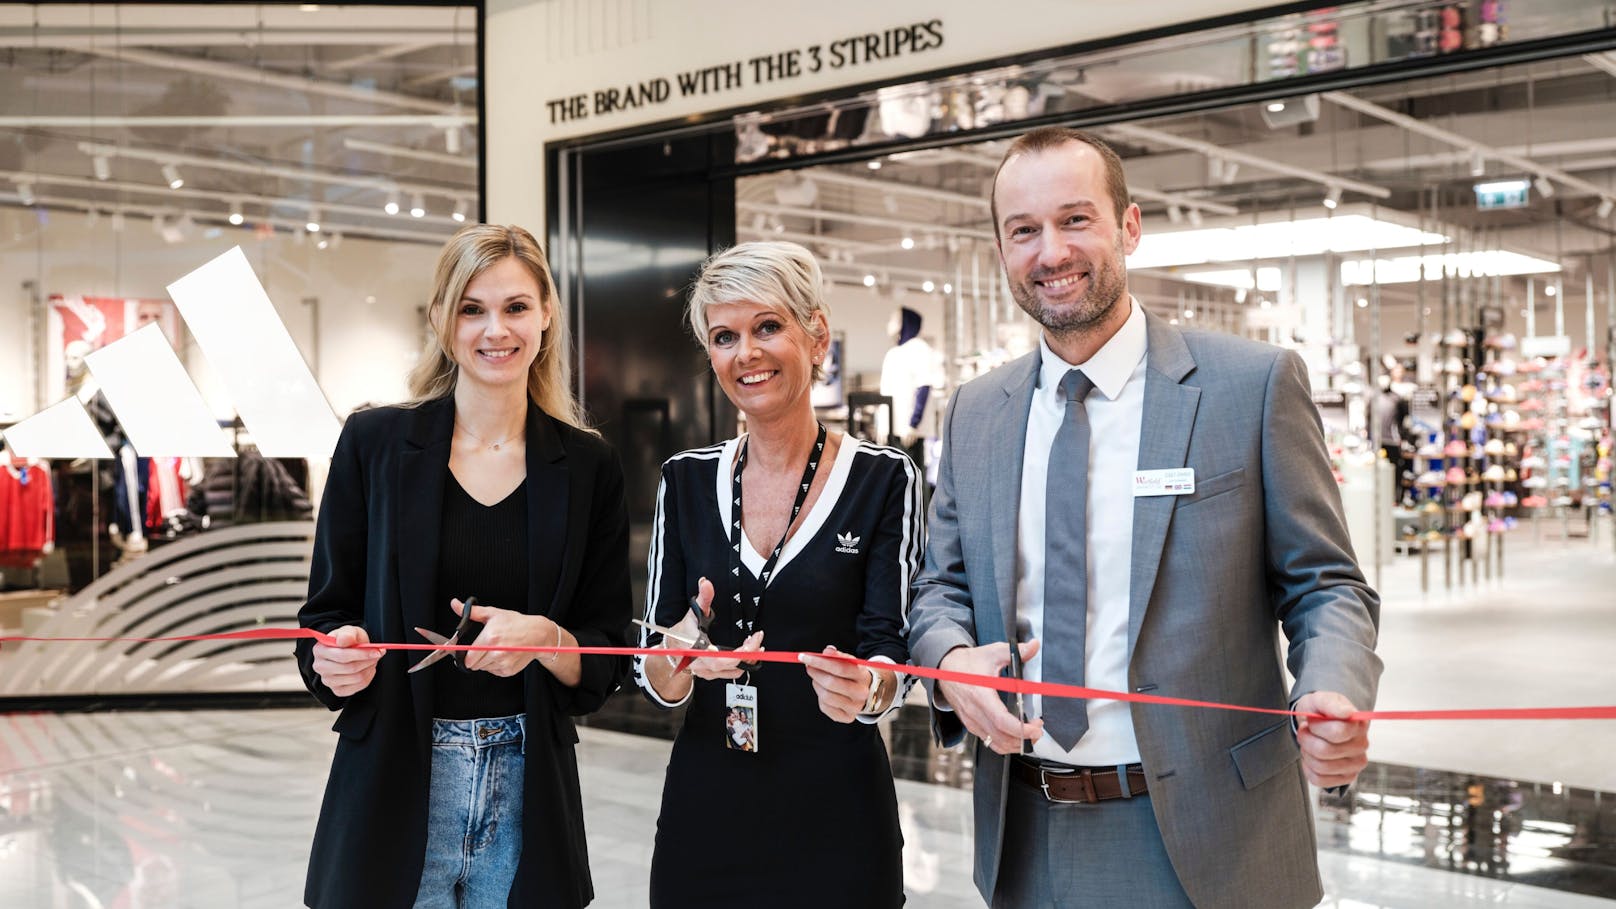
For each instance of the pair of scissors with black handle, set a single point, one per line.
(446, 642)
(704, 622)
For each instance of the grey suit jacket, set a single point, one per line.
(1261, 546)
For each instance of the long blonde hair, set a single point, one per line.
(468, 253)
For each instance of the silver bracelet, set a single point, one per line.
(553, 656)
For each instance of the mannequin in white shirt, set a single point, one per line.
(909, 376)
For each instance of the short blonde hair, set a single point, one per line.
(772, 272)
(468, 254)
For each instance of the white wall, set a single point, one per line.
(369, 329)
(536, 51)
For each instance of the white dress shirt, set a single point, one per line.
(1116, 413)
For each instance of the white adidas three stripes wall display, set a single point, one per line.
(162, 412)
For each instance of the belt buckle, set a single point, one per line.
(1086, 775)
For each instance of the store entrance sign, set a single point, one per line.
(782, 65)
(1546, 346)
(1502, 194)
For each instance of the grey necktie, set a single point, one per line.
(1066, 575)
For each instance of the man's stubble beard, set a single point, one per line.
(1107, 284)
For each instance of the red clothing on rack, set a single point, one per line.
(27, 514)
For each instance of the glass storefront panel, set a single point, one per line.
(337, 147)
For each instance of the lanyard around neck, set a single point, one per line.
(748, 621)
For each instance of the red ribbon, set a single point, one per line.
(997, 683)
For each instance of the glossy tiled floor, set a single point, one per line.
(215, 809)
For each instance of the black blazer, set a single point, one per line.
(375, 557)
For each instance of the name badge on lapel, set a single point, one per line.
(1176, 481)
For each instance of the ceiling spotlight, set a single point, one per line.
(459, 214)
(172, 175)
(103, 167)
(1550, 290)
(25, 192)
(927, 286)
(1544, 187)
(948, 288)
(313, 225)
(1189, 313)
(1478, 164)
(874, 165)
(322, 244)
(1363, 302)
(392, 203)
(869, 280)
(1332, 198)
(236, 217)
(451, 140)
(417, 206)
(908, 243)
(1606, 206)
(1175, 214)
(1275, 107)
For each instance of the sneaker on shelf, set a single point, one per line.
(1456, 449)
(1431, 479)
(1510, 475)
(1455, 476)
(1494, 447)
(1493, 474)
(1429, 451)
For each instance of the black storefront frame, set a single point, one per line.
(564, 196)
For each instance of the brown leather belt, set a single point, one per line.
(1084, 785)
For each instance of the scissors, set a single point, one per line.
(450, 641)
(701, 641)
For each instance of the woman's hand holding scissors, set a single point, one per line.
(344, 668)
(692, 628)
(509, 628)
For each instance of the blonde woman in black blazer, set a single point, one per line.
(486, 485)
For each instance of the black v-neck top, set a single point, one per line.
(482, 552)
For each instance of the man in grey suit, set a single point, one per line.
(1145, 509)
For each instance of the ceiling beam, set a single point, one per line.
(267, 121)
(382, 184)
(398, 151)
(1420, 127)
(1211, 150)
(791, 211)
(376, 56)
(254, 75)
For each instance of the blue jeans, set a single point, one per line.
(474, 822)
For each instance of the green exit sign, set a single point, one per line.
(1503, 194)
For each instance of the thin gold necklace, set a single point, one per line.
(485, 444)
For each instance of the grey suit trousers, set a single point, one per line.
(1103, 855)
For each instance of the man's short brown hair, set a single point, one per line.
(1047, 137)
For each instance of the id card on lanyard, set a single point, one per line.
(741, 699)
